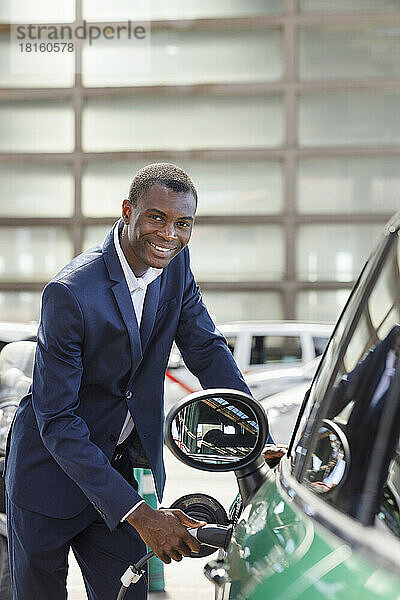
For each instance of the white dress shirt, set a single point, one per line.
(385, 380)
(137, 287)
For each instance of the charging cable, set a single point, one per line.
(216, 536)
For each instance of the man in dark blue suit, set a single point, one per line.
(95, 409)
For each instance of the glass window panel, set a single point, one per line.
(238, 187)
(225, 252)
(36, 190)
(36, 126)
(94, 235)
(19, 306)
(333, 6)
(105, 184)
(39, 11)
(329, 185)
(228, 305)
(333, 252)
(384, 300)
(359, 117)
(187, 57)
(320, 305)
(224, 187)
(101, 10)
(33, 253)
(149, 123)
(34, 69)
(237, 252)
(342, 52)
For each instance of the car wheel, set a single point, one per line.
(5, 578)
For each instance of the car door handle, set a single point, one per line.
(216, 572)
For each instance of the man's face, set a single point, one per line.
(157, 228)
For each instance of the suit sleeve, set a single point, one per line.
(56, 382)
(203, 347)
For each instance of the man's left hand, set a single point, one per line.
(273, 453)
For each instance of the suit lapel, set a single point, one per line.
(149, 311)
(124, 301)
(122, 296)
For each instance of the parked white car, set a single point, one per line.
(282, 410)
(258, 346)
(16, 364)
(267, 382)
(16, 332)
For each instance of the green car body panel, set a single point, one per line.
(280, 553)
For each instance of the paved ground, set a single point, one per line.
(184, 580)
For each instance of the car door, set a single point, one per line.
(327, 524)
(346, 449)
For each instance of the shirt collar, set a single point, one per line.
(134, 283)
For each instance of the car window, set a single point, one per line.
(231, 340)
(340, 450)
(320, 385)
(326, 374)
(268, 349)
(320, 343)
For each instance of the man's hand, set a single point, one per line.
(164, 531)
(273, 454)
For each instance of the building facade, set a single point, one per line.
(284, 112)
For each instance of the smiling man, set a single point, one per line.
(158, 224)
(95, 410)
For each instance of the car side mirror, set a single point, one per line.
(219, 430)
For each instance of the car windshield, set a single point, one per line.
(334, 446)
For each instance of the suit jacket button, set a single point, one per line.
(128, 394)
(112, 438)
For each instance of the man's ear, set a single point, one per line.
(126, 211)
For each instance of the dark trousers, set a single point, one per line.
(39, 547)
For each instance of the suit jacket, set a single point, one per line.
(92, 363)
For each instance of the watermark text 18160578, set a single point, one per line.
(46, 47)
(110, 48)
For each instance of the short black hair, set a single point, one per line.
(166, 174)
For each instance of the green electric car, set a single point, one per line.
(325, 523)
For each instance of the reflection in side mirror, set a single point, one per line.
(330, 459)
(215, 430)
(218, 430)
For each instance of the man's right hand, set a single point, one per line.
(164, 531)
